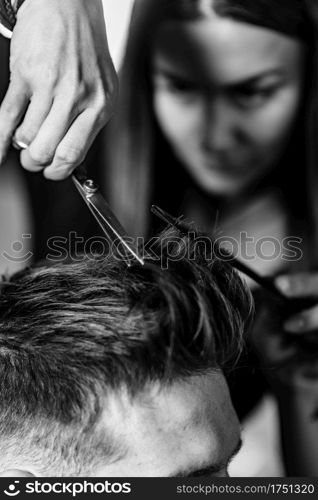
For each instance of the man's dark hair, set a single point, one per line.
(72, 333)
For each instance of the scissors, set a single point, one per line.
(107, 220)
(100, 209)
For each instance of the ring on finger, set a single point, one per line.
(19, 145)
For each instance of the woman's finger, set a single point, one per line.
(42, 150)
(74, 147)
(38, 110)
(299, 285)
(12, 110)
(307, 321)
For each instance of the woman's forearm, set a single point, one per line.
(299, 423)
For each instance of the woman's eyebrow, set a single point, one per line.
(170, 73)
(255, 79)
(212, 468)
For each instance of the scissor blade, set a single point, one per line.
(111, 225)
(107, 220)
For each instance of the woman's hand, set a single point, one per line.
(286, 337)
(300, 286)
(63, 84)
(295, 377)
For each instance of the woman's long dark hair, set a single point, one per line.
(132, 146)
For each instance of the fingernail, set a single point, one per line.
(283, 283)
(58, 173)
(66, 171)
(295, 325)
(62, 168)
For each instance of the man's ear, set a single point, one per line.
(15, 473)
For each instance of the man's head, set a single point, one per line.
(107, 370)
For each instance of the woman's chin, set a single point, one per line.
(219, 185)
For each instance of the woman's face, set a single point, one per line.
(226, 96)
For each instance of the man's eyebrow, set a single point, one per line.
(209, 469)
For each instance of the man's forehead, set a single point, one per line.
(174, 428)
(192, 400)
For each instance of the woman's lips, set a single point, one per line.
(225, 168)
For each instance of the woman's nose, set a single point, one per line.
(220, 130)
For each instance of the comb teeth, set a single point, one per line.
(266, 283)
(169, 219)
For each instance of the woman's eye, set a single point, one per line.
(253, 98)
(182, 86)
